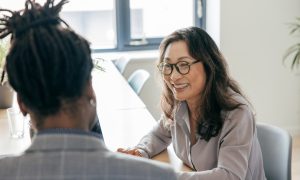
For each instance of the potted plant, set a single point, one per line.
(6, 92)
(294, 51)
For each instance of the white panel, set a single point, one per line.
(254, 37)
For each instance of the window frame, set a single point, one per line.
(123, 40)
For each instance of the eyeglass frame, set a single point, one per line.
(176, 67)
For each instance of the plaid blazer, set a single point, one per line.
(74, 156)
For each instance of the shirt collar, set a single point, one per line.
(69, 131)
(65, 140)
(182, 116)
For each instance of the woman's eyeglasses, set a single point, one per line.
(182, 67)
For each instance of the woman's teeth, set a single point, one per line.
(179, 86)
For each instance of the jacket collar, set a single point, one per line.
(65, 142)
(182, 117)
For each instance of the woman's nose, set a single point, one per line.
(175, 74)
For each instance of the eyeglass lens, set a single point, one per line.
(182, 67)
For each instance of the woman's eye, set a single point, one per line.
(183, 65)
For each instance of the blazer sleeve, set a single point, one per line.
(234, 148)
(157, 140)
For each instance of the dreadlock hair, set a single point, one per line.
(216, 96)
(47, 62)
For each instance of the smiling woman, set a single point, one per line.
(205, 115)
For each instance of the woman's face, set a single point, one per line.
(188, 87)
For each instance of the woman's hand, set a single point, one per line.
(134, 152)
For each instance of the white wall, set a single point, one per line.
(213, 19)
(253, 37)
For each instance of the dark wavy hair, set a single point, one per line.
(216, 95)
(47, 62)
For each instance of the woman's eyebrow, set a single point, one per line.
(184, 57)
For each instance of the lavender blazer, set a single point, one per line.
(234, 154)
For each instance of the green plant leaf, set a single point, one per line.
(3, 51)
(296, 60)
(295, 28)
(97, 62)
(294, 51)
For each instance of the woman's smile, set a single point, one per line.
(179, 87)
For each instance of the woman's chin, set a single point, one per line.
(179, 98)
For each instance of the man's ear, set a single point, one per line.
(22, 106)
(90, 90)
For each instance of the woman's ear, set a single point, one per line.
(22, 106)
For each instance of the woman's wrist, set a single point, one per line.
(143, 153)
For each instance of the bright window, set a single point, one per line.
(158, 18)
(121, 25)
(94, 19)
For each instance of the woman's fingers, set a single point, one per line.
(134, 152)
(121, 150)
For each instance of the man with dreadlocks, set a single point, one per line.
(49, 66)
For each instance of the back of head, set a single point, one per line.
(47, 61)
